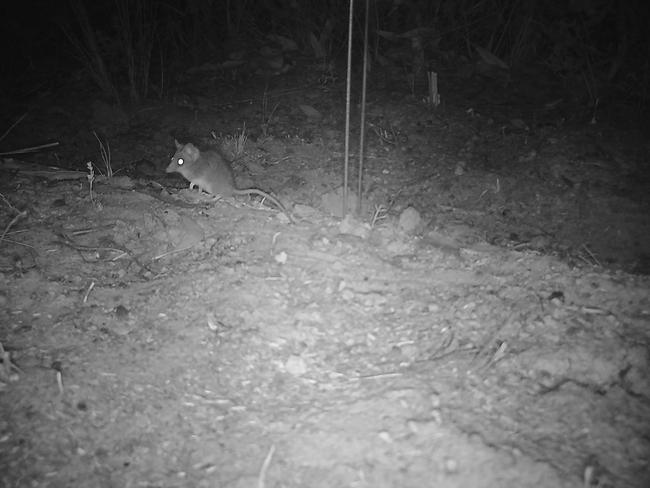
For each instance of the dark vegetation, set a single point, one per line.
(135, 49)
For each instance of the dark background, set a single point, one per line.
(601, 43)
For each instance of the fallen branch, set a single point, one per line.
(26, 150)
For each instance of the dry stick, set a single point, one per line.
(20, 119)
(591, 255)
(487, 344)
(87, 294)
(7, 367)
(105, 152)
(175, 251)
(18, 215)
(8, 203)
(13, 221)
(363, 108)
(66, 241)
(26, 150)
(59, 382)
(265, 467)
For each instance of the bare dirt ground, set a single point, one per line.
(483, 322)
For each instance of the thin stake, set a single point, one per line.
(362, 135)
(347, 114)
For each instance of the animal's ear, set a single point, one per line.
(192, 151)
(178, 144)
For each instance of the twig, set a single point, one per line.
(591, 255)
(8, 370)
(66, 241)
(20, 119)
(105, 151)
(8, 203)
(59, 382)
(240, 142)
(87, 294)
(492, 338)
(266, 116)
(265, 466)
(27, 150)
(17, 217)
(91, 179)
(379, 214)
(175, 251)
(13, 221)
(18, 243)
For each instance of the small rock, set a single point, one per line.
(295, 366)
(310, 112)
(332, 202)
(121, 312)
(410, 220)
(351, 226)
